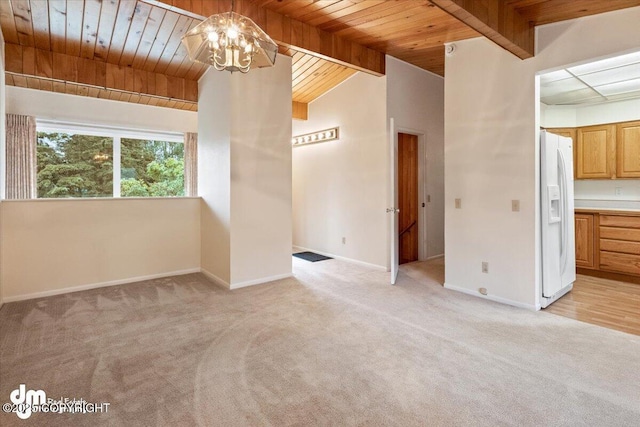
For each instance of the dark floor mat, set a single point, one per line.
(311, 256)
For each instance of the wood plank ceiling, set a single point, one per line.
(123, 50)
(130, 50)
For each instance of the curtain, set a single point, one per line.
(21, 157)
(190, 164)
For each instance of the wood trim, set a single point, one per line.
(496, 20)
(59, 86)
(300, 110)
(288, 32)
(31, 62)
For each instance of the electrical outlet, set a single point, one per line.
(515, 205)
(485, 267)
(458, 203)
(344, 240)
(618, 191)
(428, 198)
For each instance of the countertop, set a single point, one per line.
(633, 212)
(601, 204)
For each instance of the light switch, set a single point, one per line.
(458, 203)
(515, 205)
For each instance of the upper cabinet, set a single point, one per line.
(595, 152)
(606, 151)
(570, 133)
(628, 149)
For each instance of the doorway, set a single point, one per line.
(407, 171)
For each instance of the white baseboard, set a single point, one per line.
(260, 281)
(218, 281)
(341, 258)
(435, 257)
(501, 300)
(97, 285)
(239, 285)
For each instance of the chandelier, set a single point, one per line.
(232, 42)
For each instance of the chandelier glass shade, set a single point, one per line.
(232, 42)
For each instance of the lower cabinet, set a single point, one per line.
(585, 241)
(620, 243)
(608, 242)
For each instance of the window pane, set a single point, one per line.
(151, 168)
(74, 165)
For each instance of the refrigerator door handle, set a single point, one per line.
(563, 211)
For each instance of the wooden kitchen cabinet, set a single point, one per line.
(571, 133)
(620, 243)
(595, 155)
(628, 150)
(608, 244)
(584, 240)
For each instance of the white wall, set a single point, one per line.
(54, 246)
(214, 173)
(340, 187)
(594, 193)
(51, 246)
(82, 109)
(261, 235)
(491, 146)
(587, 115)
(557, 116)
(415, 100)
(245, 145)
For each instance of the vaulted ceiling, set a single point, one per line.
(130, 50)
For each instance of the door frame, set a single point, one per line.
(422, 184)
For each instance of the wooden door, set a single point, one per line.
(408, 197)
(584, 240)
(596, 152)
(571, 133)
(628, 150)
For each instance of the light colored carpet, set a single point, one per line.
(336, 345)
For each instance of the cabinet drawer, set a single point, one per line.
(621, 263)
(614, 233)
(620, 246)
(620, 221)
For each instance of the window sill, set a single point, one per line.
(99, 199)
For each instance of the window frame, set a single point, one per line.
(117, 134)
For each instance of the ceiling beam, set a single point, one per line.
(300, 110)
(496, 20)
(29, 61)
(287, 32)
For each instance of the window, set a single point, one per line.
(82, 161)
(73, 165)
(151, 168)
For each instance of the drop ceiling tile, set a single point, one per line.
(554, 76)
(560, 86)
(620, 87)
(613, 75)
(573, 97)
(623, 96)
(606, 64)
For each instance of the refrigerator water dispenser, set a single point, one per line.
(553, 192)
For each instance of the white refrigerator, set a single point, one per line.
(557, 228)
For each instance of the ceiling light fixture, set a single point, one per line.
(232, 42)
(315, 137)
